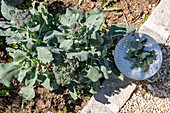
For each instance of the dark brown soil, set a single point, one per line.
(132, 13)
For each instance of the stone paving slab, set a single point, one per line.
(114, 92)
(158, 24)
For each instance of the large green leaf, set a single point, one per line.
(44, 55)
(116, 31)
(94, 87)
(46, 81)
(15, 38)
(17, 55)
(55, 52)
(94, 74)
(72, 15)
(130, 29)
(72, 91)
(7, 10)
(31, 77)
(66, 44)
(6, 33)
(33, 29)
(7, 72)
(51, 86)
(96, 39)
(104, 67)
(23, 71)
(54, 37)
(104, 70)
(33, 10)
(94, 19)
(28, 92)
(113, 67)
(120, 30)
(82, 56)
(2, 33)
(5, 24)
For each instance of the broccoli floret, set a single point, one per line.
(21, 18)
(64, 72)
(75, 28)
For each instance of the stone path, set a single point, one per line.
(114, 92)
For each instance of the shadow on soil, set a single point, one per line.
(57, 7)
(111, 87)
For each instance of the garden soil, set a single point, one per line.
(131, 13)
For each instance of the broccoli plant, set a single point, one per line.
(71, 54)
(84, 47)
(26, 28)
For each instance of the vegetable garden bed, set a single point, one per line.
(69, 53)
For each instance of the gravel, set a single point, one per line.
(152, 95)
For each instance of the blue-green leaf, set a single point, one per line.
(44, 55)
(66, 44)
(96, 39)
(13, 39)
(72, 91)
(72, 15)
(7, 10)
(17, 55)
(33, 10)
(2, 33)
(50, 86)
(94, 74)
(130, 29)
(136, 45)
(33, 29)
(31, 77)
(94, 19)
(143, 55)
(27, 92)
(116, 31)
(104, 70)
(23, 71)
(94, 87)
(5, 24)
(54, 37)
(82, 56)
(7, 72)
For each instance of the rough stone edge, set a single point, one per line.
(157, 37)
(151, 27)
(94, 106)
